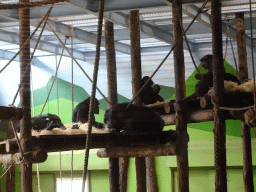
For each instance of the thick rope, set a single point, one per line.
(60, 172)
(72, 87)
(252, 54)
(53, 80)
(32, 55)
(71, 55)
(17, 138)
(95, 74)
(33, 110)
(25, 43)
(200, 10)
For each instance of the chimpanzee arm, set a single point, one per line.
(98, 125)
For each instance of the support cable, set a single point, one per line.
(32, 55)
(200, 10)
(88, 77)
(72, 87)
(95, 74)
(25, 43)
(53, 79)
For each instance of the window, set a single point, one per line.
(65, 184)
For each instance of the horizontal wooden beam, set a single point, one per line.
(145, 151)
(7, 113)
(54, 143)
(194, 117)
(38, 156)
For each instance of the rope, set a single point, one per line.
(53, 79)
(229, 36)
(252, 54)
(32, 55)
(95, 73)
(72, 86)
(88, 77)
(200, 10)
(17, 138)
(230, 108)
(25, 43)
(60, 172)
(33, 109)
(6, 171)
(38, 177)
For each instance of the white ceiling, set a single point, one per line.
(156, 40)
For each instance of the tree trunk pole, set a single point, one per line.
(136, 85)
(181, 119)
(243, 76)
(218, 83)
(151, 175)
(112, 96)
(241, 47)
(25, 132)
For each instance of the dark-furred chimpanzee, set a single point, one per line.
(81, 113)
(44, 122)
(206, 79)
(133, 120)
(149, 94)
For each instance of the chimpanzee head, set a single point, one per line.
(144, 80)
(206, 61)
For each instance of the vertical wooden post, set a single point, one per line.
(181, 122)
(151, 175)
(10, 176)
(243, 76)
(218, 83)
(25, 123)
(136, 81)
(112, 96)
(123, 167)
(241, 47)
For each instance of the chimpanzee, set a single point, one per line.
(149, 94)
(44, 122)
(206, 79)
(133, 120)
(81, 113)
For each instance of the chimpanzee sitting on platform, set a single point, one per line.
(149, 94)
(206, 79)
(44, 122)
(133, 120)
(81, 113)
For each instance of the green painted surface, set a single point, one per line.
(201, 150)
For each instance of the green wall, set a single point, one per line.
(201, 150)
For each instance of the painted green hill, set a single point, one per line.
(64, 91)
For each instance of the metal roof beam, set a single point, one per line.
(123, 20)
(117, 5)
(43, 45)
(82, 35)
(205, 19)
